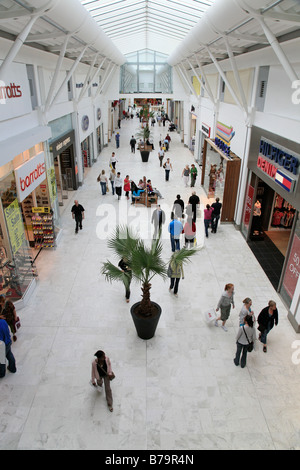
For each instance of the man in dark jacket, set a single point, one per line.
(158, 219)
(266, 319)
(77, 214)
(217, 206)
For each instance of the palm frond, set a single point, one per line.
(184, 255)
(114, 273)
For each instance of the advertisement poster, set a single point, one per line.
(248, 205)
(293, 268)
(15, 226)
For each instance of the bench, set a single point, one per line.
(146, 199)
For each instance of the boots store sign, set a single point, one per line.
(30, 175)
(15, 99)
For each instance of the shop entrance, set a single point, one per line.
(270, 231)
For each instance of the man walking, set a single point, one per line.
(161, 154)
(158, 219)
(132, 144)
(194, 200)
(175, 230)
(217, 206)
(77, 214)
(117, 140)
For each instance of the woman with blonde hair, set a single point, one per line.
(246, 310)
(224, 304)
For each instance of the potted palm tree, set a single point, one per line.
(144, 263)
(144, 133)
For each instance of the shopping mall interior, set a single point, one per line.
(214, 86)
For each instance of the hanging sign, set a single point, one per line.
(30, 175)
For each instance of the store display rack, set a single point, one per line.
(43, 231)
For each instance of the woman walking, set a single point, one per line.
(103, 182)
(207, 218)
(102, 371)
(266, 319)
(246, 310)
(225, 302)
(186, 174)
(10, 315)
(245, 336)
(189, 231)
(167, 167)
(127, 186)
(112, 177)
(175, 272)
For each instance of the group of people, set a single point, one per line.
(246, 335)
(189, 175)
(9, 324)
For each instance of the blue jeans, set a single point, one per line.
(241, 349)
(175, 243)
(167, 174)
(103, 187)
(264, 334)
(113, 187)
(206, 224)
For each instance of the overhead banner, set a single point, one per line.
(30, 175)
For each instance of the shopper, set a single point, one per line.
(207, 218)
(102, 371)
(103, 182)
(194, 173)
(112, 177)
(123, 265)
(266, 319)
(152, 190)
(217, 206)
(168, 167)
(6, 338)
(178, 207)
(246, 310)
(246, 335)
(194, 200)
(175, 272)
(9, 314)
(186, 175)
(161, 155)
(224, 304)
(135, 192)
(175, 229)
(127, 186)
(117, 140)
(77, 214)
(132, 144)
(189, 231)
(118, 185)
(158, 219)
(113, 160)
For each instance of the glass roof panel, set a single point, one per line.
(146, 24)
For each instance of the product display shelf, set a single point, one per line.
(43, 231)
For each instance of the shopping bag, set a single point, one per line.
(210, 315)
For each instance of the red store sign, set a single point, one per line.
(30, 175)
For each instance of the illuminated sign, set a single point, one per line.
(30, 175)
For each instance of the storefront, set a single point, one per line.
(99, 132)
(62, 152)
(193, 130)
(272, 203)
(86, 142)
(204, 133)
(25, 199)
(220, 175)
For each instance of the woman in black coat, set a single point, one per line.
(266, 319)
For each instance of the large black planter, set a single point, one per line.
(145, 326)
(145, 155)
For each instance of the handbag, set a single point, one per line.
(169, 272)
(250, 345)
(18, 324)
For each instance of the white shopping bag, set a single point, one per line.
(210, 315)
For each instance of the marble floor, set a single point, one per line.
(179, 390)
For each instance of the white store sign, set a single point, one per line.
(30, 175)
(15, 99)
